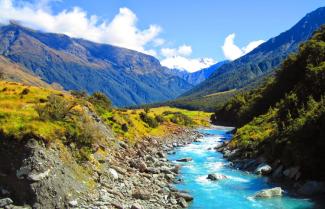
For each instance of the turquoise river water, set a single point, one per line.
(232, 193)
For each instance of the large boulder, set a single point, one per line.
(216, 177)
(6, 201)
(263, 169)
(292, 172)
(312, 188)
(268, 193)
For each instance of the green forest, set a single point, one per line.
(284, 118)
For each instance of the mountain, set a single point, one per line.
(126, 76)
(198, 77)
(262, 60)
(283, 120)
(13, 72)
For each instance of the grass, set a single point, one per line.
(19, 118)
(17, 114)
(138, 129)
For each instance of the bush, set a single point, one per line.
(78, 94)
(56, 108)
(124, 127)
(160, 119)
(181, 119)
(25, 91)
(152, 122)
(101, 101)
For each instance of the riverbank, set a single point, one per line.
(288, 177)
(131, 176)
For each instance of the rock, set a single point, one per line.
(123, 144)
(188, 159)
(136, 206)
(278, 172)
(5, 202)
(161, 155)
(153, 170)
(176, 169)
(184, 195)
(113, 173)
(310, 188)
(268, 193)
(182, 202)
(39, 176)
(216, 177)
(292, 172)
(263, 169)
(73, 203)
(117, 206)
(142, 195)
(22, 172)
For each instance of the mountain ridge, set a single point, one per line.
(262, 60)
(126, 76)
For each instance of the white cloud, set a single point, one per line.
(184, 50)
(231, 51)
(120, 31)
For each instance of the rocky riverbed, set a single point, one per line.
(290, 177)
(137, 177)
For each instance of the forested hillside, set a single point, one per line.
(285, 119)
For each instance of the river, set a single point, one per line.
(236, 191)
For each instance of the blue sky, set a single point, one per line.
(184, 29)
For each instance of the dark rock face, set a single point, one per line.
(127, 77)
(36, 174)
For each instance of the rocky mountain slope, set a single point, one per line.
(127, 77)
(14, 72)
(262, 60)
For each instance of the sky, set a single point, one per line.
(184, 34)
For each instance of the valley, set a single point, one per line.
(99, 124)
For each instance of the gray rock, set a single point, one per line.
(182, 202)
(184, 195)
(187, 159)
(263, 169)
(39, 176)
(152, 170)
(161, 155)
(268, 193)
(142, 195)
(312, 188)
(113, 173)
(216, 177)
(136, 206)
(292, 172)
(73, 203)
(6, 201)
(278, 172)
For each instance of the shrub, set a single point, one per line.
(160, 119)
(78, 94)
(146, 109)
(56, 108)
(101, 101)
(124, 127)
(25, 91)
(152, 122)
